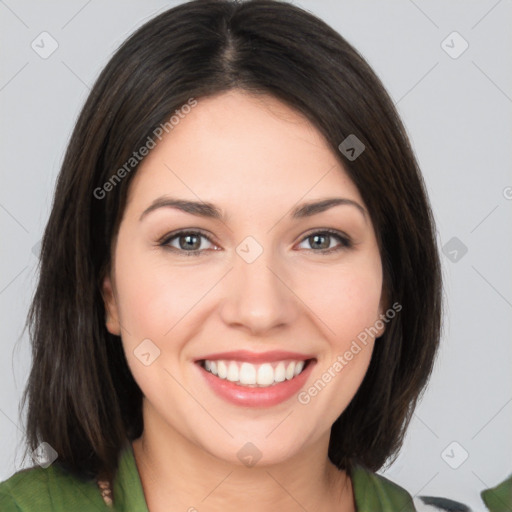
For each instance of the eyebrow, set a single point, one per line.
(209, 210)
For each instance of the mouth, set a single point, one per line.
(256, 380)
(246, 374)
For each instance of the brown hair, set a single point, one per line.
(82, 398)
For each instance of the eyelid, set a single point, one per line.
(330, 231)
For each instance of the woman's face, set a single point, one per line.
(254, 290)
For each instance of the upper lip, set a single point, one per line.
(256, 357)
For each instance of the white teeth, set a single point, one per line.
(232, 372)
(290, 371)
(222, 369)
(280, 372)
(265, 375)
(298, 367)
(247, 374)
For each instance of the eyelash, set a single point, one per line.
(345, 242)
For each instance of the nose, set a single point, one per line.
(259, 296)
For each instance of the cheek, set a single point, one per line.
(155, 296)
(154, 299)
(347, 300)
(347, 307)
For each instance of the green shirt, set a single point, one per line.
(499, 498)
(51, 489)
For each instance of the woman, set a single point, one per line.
(279, 366)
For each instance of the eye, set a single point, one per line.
(322, 240)
(189, 242)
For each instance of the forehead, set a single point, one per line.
(239, 148)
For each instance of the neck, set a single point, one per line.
(174, 470)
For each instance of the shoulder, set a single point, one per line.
(376, 493)
(15, 491)
(40, 489)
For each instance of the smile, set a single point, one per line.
(255, 375)
(261, 383)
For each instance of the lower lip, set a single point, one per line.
(255, 396)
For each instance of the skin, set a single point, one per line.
(256, 159)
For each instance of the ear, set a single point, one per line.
(111, 310)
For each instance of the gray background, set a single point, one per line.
(457, 111)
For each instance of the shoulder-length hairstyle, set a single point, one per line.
(82, 398)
